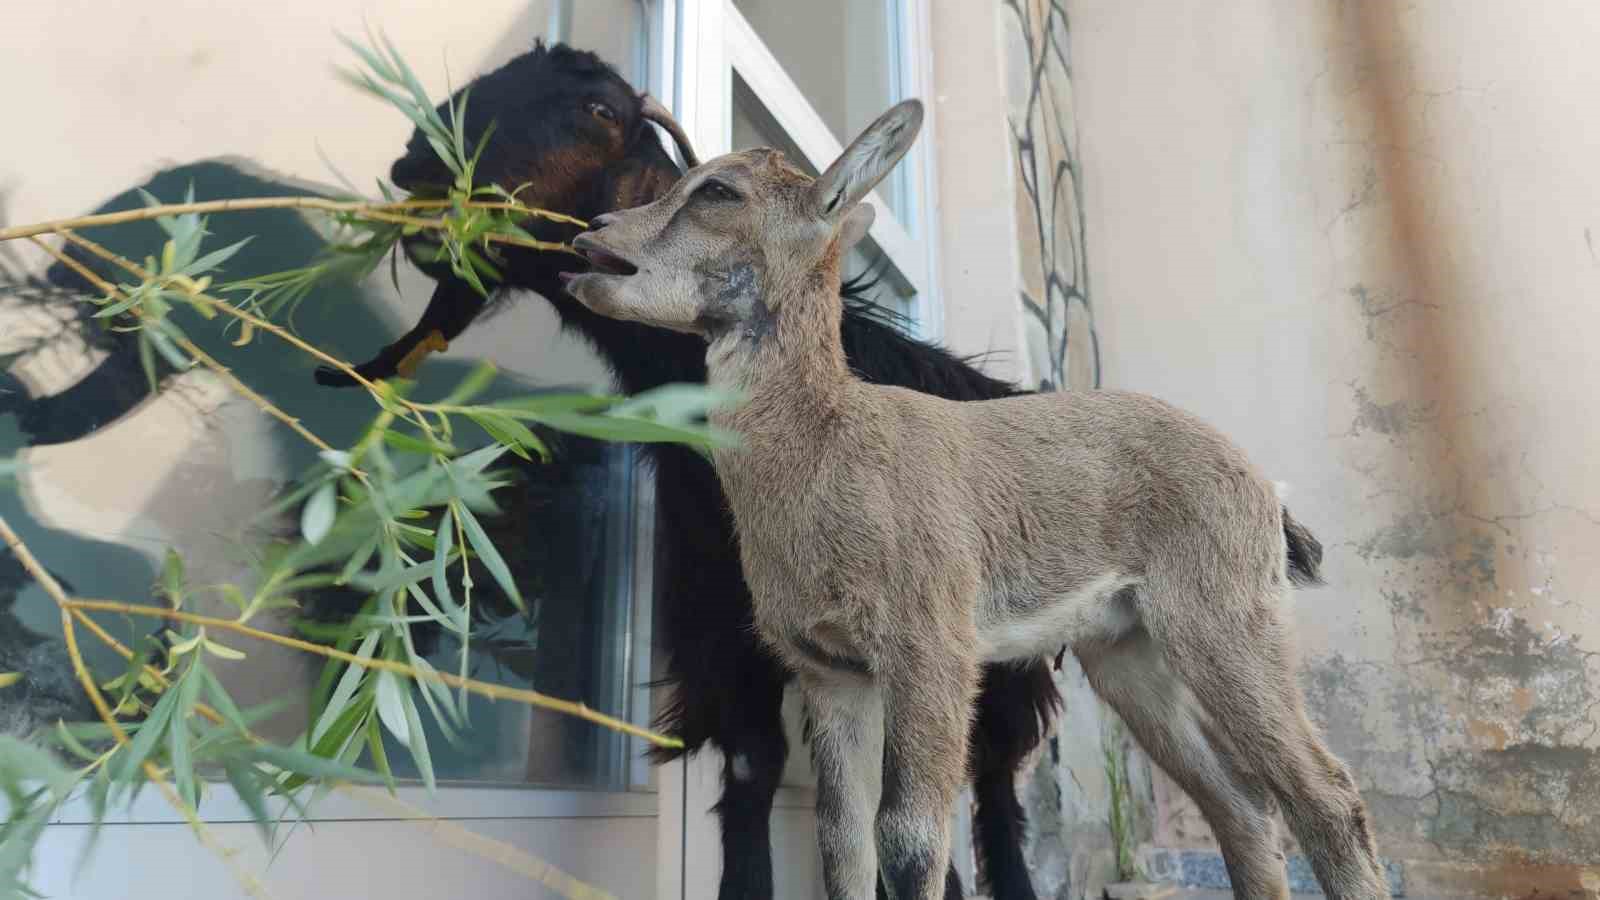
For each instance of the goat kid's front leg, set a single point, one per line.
(847, 750)
(927, 703)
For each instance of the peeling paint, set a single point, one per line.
(1393, 419)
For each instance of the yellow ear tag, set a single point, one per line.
(434, 342)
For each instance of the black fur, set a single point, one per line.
(1305, 553)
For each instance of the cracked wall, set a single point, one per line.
(1391, 306)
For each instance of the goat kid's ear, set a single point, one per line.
(867, 160)
(857, 222)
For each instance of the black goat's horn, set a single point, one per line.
(655, 112)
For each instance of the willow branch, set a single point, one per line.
(481, 688)
(495, 851)
(249, 882)
(451, 833)
(374, 210)
(204, 358)
(211, 302)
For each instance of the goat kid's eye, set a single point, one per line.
(602, 112)
(716, 190)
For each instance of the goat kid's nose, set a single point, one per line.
(601, 221)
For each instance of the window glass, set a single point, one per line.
(844, 56)
(753, 126)
(115, 476)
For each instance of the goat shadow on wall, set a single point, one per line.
(340, 316)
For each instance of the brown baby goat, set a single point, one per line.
(894, 541)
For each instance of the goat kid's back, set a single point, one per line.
(1006, 509)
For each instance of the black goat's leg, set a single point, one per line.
(753, 757)
(451, 309)
(1015, 705)
(1001, 826)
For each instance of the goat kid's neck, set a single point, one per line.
(786, 359)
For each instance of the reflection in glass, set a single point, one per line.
(116, 476)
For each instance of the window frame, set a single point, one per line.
(715, 41)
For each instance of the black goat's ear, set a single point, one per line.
(867, 160)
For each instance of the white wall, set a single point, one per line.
(1399, 322)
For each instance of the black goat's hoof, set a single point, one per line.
(328, 376)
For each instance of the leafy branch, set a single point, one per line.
(397, 514)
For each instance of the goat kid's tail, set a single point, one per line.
(1305, 553)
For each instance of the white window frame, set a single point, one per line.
(714, 41)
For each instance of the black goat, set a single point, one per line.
(577, 134)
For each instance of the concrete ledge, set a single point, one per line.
(1205, 869)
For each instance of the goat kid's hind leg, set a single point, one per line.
(927, 713)
(1246, 683)
(1133, 677)
(846, 714)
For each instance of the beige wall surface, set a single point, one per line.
(1399, 322)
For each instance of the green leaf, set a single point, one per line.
(72, 744)
(508, 431)
(172, 577)
(129, 682)
(419, 746)
(98, 795)
(336, 737)
(213, 259)
(147, 361)
(96, 731)
(167, 349)
(408, 444)
(393, 703)
(380, 757)
(317, 517)
(632, 430)
(309, 765)
(490, 557)
(21, 761)
(248, 786)
(178, 746)
(441, 558)
(130, 757)
(7, 679)
(344, 640)
(475, 462)
(346, 688)
(400, 578)
(437, 694)
(676, 403)
(218, 695)
(357, 560)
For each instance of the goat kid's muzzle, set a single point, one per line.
(602, 260)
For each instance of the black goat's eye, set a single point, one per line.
(602, 112)
(716, 190)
